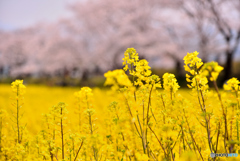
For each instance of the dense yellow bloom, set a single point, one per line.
(199, 78)
(84, 92)
(192, 62)
(117, 78)
(18, 87)
(143, 69)
(199, 82)
(232, 84)
(170, 82)
(84, 95)
(130, 58)
(137, 123)
(155, 81)
(142, 72)
(211, 69)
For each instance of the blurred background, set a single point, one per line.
(74, 42)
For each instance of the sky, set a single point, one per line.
(17, 14)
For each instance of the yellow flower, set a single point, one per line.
(188, 76)
(130, 58)
(84, 93)
(143, 71)
(232, 84)
(192, 62)
(170, 82)
(155, 80)
(116, 79)
(193, 65)
(211, 69)
(18, 87)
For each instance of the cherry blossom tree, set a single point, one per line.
(110, 27)
(218, 27)
(96, 36)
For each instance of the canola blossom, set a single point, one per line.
(142, 117)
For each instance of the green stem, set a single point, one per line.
(203, 107)
(62, 137)
(165, 154)
(149, 103)
(1, 124)
(90, 122)
(192, 136)
(133, 82)
(236, 92)
(224, 115)
(132, 117)
(217, 137)
(148, 118)
(237, 130)
(184, 146)
(143, 140)
(78, 151)
(164, 109)
(18, 128)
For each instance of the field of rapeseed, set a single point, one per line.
(141, 117)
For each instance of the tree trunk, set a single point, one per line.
(178, 68)
(228, 66)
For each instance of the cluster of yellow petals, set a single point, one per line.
(211, 69)
(192, 65)
(130, 58)
(117, 78)
(232, 84)
(143, 71)
(170, 82)
(140, 70)
(84, 93)
(192, 62)
(200, 82)
(18, 87)
(84, 96)
(155, 81)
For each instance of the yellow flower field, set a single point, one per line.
(141, 117)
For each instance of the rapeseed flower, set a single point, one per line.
(143, 71)
(192, 62)
(138, 122)
(170, 82)
(211, 69)
(197, 77)
(130, 58)
(117, 78)
(232, 84)
(18, 87)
